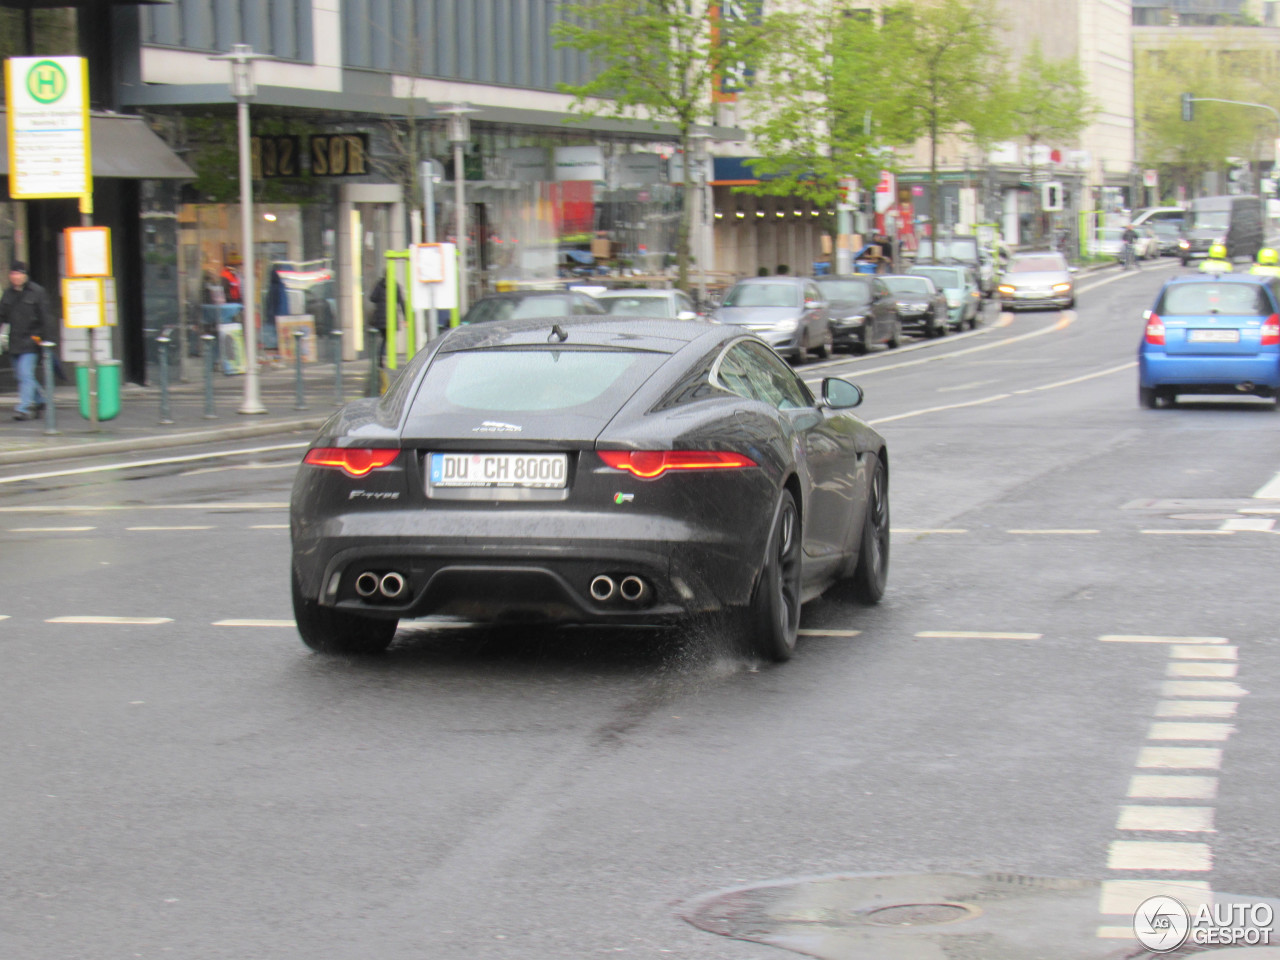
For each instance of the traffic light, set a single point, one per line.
(1187, 101)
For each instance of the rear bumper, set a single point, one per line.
(1204, 374)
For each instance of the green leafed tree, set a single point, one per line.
(943, 75)
(1048, 103)
(812, 110)
(1184, 151)
(658, 60)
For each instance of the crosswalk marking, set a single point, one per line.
(1215, 709)
(1161, 818)
(1146, 786)
(1270, 490)
(1172, 730)
(1155, 638)
(1180, 758)
(1202, 670)
(1202, 688)
(1159, 855)
(1190, 533)
(1246, 524)
(1204, 653)
(1122, 897)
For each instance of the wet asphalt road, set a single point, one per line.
(203, 787)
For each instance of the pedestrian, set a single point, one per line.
(1217, 261)
(378, 311)
(25, 322)
(1128, 255)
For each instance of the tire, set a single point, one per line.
(771, 621)
(860, 347)
(872, 573)
(895, 338)
(828, 347)
(326, 630)
(1147, 397)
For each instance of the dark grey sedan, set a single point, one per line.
(862, 311)
(922, 307)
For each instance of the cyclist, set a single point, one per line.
(1268, 264)
(1217, 261)
(1128, 256)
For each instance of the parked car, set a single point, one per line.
(1235, 221)
(1167, 233)
(589, 470)
(672, 304)
(960, 287)
(1037, 279)
(788, 313)
(1216, 334)
(862, 312)
(964, 250)
(922, 307)
(1150, 216)
(531, 303)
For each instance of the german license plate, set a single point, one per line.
(1213, 336)
(532, 470)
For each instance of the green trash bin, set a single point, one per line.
(108, 389)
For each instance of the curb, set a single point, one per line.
(91, 448)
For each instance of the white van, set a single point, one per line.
(1176, 214)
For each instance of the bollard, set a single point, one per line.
(163, 344)
(50, 408)
(299, 402)
(374, 387)
(337, 365)
(208, 339)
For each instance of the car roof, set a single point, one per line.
(754, 280)
(636, 333)
(633, 292)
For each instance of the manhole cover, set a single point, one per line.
(918, 914)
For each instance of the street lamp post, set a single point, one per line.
(243, 89)
(459, 137)
(431, 172)
(700, 140)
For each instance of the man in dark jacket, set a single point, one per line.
(25, 316)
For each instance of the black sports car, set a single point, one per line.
(589, 470)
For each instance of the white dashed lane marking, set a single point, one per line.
(254, 623)
(132, 621)
(1156, 638)
(161, 529)
(51, 529)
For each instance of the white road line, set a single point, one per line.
(254, 623)
(1141, 638)
(50, 529)
(1180, 758)
(828, 633)
(1214, 689)
(949, 406)
(1122, 897)
(4, 616)
(118, 507)
(1202, 670)
(1159, 818)
(269, 526)
(1188, 533)
(1209, 709)
(1204, 653)
(1172, 730)
(966, 386)
(1270, 490)
(1152, 787)
(916, 530)
(154, 462)
(1159, 855)
(975, 635)
(1249, 524)
(154, 529)
(128, 621)
(1052, 532)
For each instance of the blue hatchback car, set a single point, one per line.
(1211, 334)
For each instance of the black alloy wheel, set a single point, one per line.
(326, 630)
(872, 572)
(772, 619)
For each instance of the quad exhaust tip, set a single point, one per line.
(633, 589)
(367, 584)
(391, 585)
(602, 588)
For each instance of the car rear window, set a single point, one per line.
(1225, 299)
(522, 379)
(635, 306)
(763, 295)
(907, 284)
(941, 276)
(852, 291)
(1038, 265)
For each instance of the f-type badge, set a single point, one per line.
(496, 426)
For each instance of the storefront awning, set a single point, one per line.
(124, 148)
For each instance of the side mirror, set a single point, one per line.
(840, 394)
(686, 315)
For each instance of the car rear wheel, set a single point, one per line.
(872, 572)
(772, 619)
(326, 630)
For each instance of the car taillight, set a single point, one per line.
(353, 461)
(649, 464)
(1155, 330)
(1271, 331)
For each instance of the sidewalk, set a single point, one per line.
(138, 426)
